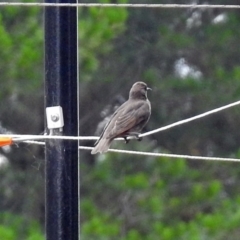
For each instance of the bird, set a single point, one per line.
(128, 120)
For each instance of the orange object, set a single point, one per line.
(4, 141)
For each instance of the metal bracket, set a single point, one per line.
(55, 118)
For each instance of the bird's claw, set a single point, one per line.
(136, 136)
(139, 139)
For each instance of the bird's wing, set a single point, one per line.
(110, 120)
(125, 119)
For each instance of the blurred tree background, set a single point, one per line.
(190, 58)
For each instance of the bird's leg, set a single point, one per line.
(139, 139)
(126, 140)
(136, 135)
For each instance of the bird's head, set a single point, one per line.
(139, 91)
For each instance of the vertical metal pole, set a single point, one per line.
(61, 89)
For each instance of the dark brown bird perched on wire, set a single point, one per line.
(128, 120)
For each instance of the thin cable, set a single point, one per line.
(20, 137)
(116, 5)
(190, 119)
(154, 154)
(167, 155)
(35, 142)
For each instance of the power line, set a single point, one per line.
(190, 119)
(119, 5)
(29, 138)
(153, 154)
(20, 137)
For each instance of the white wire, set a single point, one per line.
(190, 119)
(20, 137)
(153, 154)
(119, 5)
(166, 155)
(27, 138)
(35, 142)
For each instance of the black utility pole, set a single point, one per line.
(61, 89)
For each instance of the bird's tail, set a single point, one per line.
(102, 146)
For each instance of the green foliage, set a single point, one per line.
(13, 227)
(166, 199)
(21, 45)
(97, 28)
(98, 224)
(130, 197)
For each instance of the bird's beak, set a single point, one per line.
(148, 88)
